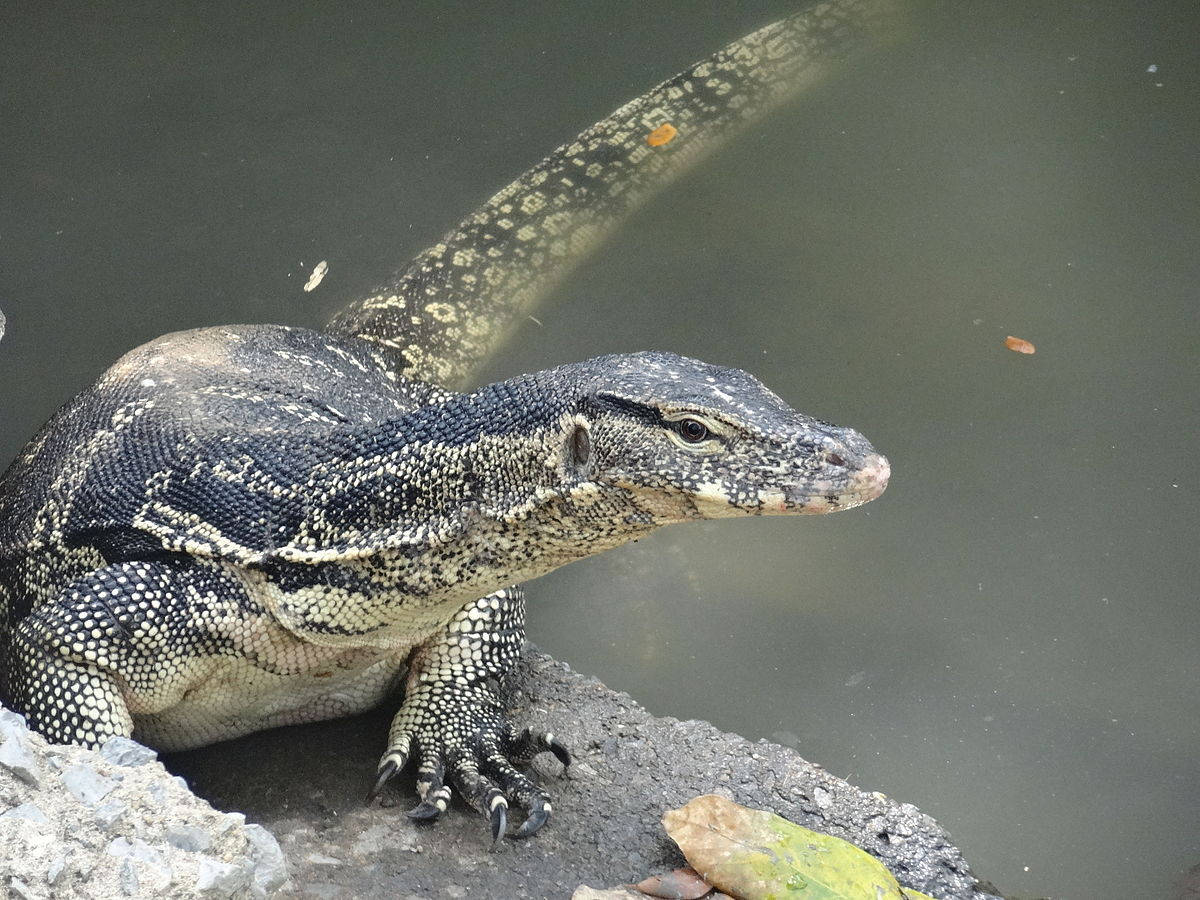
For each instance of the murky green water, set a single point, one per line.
(1009, 638)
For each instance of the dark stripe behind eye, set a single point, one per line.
(640, 411)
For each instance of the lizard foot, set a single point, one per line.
(460, 738)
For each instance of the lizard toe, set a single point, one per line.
(524, 745)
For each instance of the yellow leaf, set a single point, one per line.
(757, 855)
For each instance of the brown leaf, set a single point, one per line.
(681, 884)
(1019, 345)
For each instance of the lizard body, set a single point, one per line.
(246, 526)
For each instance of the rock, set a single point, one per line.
(21, 889)
(15, 756)
(219, 879)
(117, 845)
(109, 813)
(320, 859)
(629, 767)
(605, 830)
(88, 785)
(158, 793)
(386, 838)
(11, 723)
(129, 879)
(55, 869)
(28, 811)
(270, 868)
(155, 870)
(583, 892)
(122, 751)
(190, 838)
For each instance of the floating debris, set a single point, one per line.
(317, 274)
(663, 134)
(1019, 345)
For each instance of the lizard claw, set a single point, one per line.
(537, 818)
(386, 771)
(499, 821)
(424, 812)
(561, 753)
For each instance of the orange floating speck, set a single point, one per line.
(1019, 345)
(663, 134)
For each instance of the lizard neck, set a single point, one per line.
(407, 520)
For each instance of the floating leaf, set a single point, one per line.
(681, 884)
(317, 275)
(663, 134)
(1019, 345)
(751, 853)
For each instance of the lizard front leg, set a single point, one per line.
(452, 721)
(120, 640)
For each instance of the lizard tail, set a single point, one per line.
(453, 306)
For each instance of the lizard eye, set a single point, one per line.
(691, 430)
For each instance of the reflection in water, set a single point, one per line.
(1007, 638)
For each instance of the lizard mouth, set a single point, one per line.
(868, 482)
(864, 484)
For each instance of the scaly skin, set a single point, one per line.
(248, 526)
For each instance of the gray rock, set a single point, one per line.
(629, 767)
(109, 813)
(158, 793)
(88, 785)
(55, 869)
(320, 859)
(28, 811)
(189, 837)
(21, 889)
(270, 868)
(11, 723)
(122, 751)
(136, 849)
(15, 756)
(321, 890)
(129, 879)
(220, 879)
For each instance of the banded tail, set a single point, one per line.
(440, 317)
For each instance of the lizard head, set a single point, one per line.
(691, 440)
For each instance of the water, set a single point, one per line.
(1008, 637)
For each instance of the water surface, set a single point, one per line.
(1008, 638)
